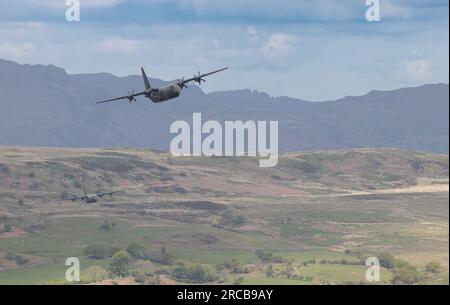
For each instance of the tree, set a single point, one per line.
(137, 251)
(111, 250)
(119, 263)
(270, 272)
(166, 257)
(235, 266)
(193, 272)
(387, 260)
(278, 260)
(264, 256)
(433, 267)
(95, 251)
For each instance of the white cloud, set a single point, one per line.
(265, 10)
(117, 45)
(29, 25)
(324, 10)
(279, 45)
(330, 9)
(390, 9)
(253, 33)
(55, 4)
(417, 69)
(100, 3)
(17, 52)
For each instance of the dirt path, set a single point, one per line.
(423, 186)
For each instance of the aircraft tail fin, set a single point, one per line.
(84, 189)
(146, 82)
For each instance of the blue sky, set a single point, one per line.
(309, 49)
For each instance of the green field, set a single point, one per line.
(53, 273)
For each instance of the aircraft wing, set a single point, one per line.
(75, 198)
(109, 194)
(199, 78)
(130, 97)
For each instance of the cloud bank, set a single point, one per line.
(314, 50)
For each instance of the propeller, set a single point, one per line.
(181, 84)
(198, 78)
(131, 97)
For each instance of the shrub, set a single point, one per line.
(95, 251)
(106, 226)
(69, 176)
(278, 260)
(95, 274)
(163, 257)
(405, 274)
(140, 278)
(153, 280)
(264, 256)
(111, 250)
(137, 251)
(64, 194)
(7, 228)
(433, 267)
(238, 281)
(194, 273)
(20, 260)
(387, 260)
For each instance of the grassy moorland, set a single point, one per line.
(313, 219)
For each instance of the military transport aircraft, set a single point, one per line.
(158, 95)
(90, 198)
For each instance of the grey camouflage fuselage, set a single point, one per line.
(164, 93)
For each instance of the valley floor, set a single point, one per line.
(313, 219)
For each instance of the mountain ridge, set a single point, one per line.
(44, 106)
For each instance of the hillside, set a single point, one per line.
(45, 106)
(51, 170)
(320, 211)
